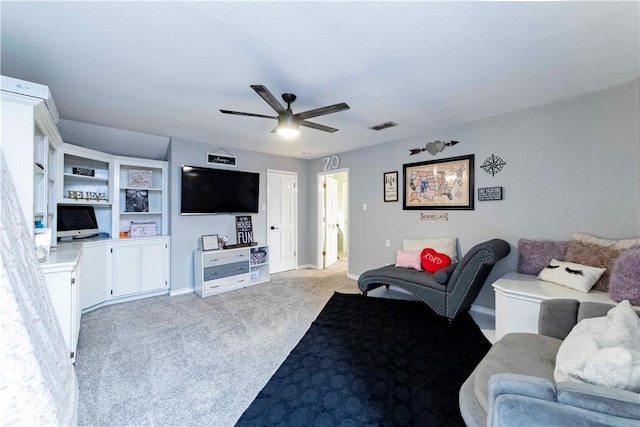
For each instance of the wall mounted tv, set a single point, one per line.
(212, 191)
(76, 222)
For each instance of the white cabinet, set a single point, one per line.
(63, 279)
(94, 268)
(142, 187)
(29, 139)
(229, 269)
(139, 265)
(518, 297)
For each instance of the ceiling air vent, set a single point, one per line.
(384, 125)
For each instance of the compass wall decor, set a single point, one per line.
(493, 165)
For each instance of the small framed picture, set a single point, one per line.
(391, 186)
(210, 243)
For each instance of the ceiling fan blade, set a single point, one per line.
(317, 126)
(238, 113)
(322, 111)
(268, 96)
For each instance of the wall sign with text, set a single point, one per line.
(489, 193)
(330, 163)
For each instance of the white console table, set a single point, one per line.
(518, 298)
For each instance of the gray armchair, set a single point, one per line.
(514, 383)
(449, 291)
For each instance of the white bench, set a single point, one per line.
(518, 298)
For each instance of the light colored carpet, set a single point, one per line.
(190, 361)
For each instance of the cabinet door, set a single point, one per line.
(125, 261)
(153, 266)
(61, 291)
(94, 272)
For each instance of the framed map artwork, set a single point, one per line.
(439, 184)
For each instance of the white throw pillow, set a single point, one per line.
(444, 245)
(603, 351)
(571, 275)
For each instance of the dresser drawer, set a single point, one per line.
(222, 257)
(224, 270)
(225, 284)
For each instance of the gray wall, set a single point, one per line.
(187, 230)
(571, 166)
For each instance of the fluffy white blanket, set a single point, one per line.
(603, 351)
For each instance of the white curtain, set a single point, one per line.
(37, 380)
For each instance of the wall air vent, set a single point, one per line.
(384, 125)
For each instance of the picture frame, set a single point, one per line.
(140, 178)
(210, 242)
(390, 189)
(439, 184)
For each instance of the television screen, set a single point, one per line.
(211, 191)
(76, 222)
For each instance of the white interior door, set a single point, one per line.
(281, 220)
(331, 221)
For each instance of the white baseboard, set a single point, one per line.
(300, 267)
(184, 291)
(353, 276)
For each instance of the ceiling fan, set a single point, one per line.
(288, 123)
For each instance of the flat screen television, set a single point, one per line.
(212, 191)
(77, 222)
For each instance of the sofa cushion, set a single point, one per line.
(603, 350)
(624, 284)
(594, 256)
(445, 245)
(433, 260)
(517, 353)
(408, 259)
(571, 275)
(534, 255)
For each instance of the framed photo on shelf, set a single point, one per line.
(391, 186)
(140, 178)
(136, 201)
(210, 242)
(439, 184)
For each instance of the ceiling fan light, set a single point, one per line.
(288, 132)
(287, 126)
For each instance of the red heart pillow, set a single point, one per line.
(433, 261)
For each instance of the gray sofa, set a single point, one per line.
(513, 385)
(449, 291)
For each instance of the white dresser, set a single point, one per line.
(230, 269)
(518, 298)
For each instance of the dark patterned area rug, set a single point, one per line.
(372, 362)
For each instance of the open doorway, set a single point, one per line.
(333, 218)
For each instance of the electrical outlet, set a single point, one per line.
(364, 206)
(388, 243)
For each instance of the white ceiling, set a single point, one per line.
(165, 68)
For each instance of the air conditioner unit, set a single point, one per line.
(34, 90)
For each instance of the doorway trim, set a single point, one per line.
(319, 228)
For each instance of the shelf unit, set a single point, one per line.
(103, 180)
(142, 194)
(86, 176)
(31, 137)
(259, 264)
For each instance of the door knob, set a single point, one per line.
(274, 228)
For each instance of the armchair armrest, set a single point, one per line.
(612, 401)
(470, 274)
